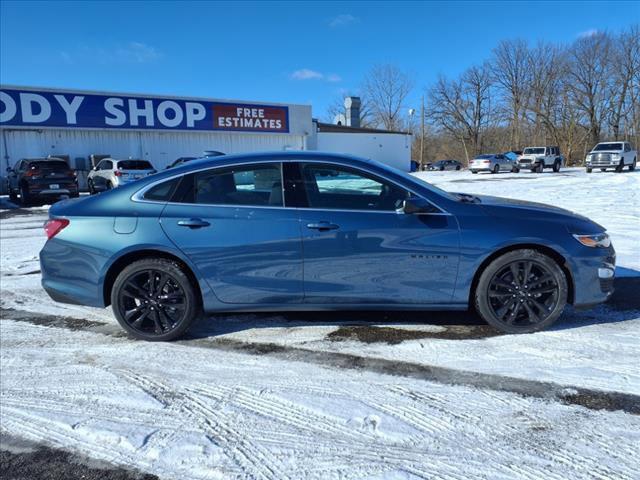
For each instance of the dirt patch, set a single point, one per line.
(36, 461)
(394, 336)
(602, 401)
(45, 320)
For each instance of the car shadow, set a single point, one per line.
(395, 326)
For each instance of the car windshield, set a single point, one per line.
(534, 151)
(134, 165)
(607, 146)
(50, 165)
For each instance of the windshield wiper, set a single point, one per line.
(466, 198)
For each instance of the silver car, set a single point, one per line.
(111, 173)
(494, 163)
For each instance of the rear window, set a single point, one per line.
(607, 146)
(163, 191)
(50, 165)
(134, 165)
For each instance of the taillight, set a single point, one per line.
(118, 173)
(32, 173)
(55, 226)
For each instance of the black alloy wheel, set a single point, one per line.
(521, 292)
(153, 299)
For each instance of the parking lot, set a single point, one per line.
(339, 394)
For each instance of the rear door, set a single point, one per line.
(232, 224)
(359, 250)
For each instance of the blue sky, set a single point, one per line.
(298, 52)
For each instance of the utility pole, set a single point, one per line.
(422, 133)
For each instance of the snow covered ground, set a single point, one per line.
(194, 410)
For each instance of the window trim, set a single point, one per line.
(138, 195)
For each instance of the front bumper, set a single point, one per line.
(594, 277)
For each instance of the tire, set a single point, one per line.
(442, 169)
(458, 167)
(603, 169)
(632, 167)
(13, 196)
(540, 168)
(92, 189)
(154, 319)
(620, 166)
(25, 196)
(589, 170)
(556, 166)
(496, 169)
(474, 171)
(515, 170)
(498, 291)
(109, 186)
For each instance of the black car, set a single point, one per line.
(207, 154)
(41, 179)
(445, 165)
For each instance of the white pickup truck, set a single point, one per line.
(537, 159)
(611, 155)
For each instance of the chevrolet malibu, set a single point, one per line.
(292, 231)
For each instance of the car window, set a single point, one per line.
(51, 165)
(134, 165)
(627, 148)
(163, 191)
(250, 185)
(335, 187)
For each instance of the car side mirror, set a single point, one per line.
(417, 206)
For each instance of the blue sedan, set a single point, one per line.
(316, 231)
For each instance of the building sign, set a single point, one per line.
(30, 108)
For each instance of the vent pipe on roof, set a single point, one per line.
(352, 111)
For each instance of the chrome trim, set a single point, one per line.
(138, 196)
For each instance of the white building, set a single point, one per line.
(76, 124)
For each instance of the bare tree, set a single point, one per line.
(386, 89)
(463, 107)
(589, 77)
(512, 73)
(625, 64)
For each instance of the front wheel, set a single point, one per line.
(620, 166)
(556, 166)
(13, 196)
(589, 170)
(540, 168)
(25, 196)
(515, 170)
(154, 300)
(92, 189)
(522, 291)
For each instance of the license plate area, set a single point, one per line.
(54, 186)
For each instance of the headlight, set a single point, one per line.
(616, 156)
(601, 240)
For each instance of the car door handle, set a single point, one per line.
(322, 226)
(193, 223)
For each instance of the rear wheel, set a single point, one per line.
(496, 169)
(522, 291)
(109, 186)
(515, 169)
(556, 166)
(13, 196)
(154, 300)
(632, 167)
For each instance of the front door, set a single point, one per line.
(232, 224)
(358, 249)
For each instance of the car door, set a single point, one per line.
(359, 250)
(14, 175)
(232, 224)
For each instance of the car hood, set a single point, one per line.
(507, 207)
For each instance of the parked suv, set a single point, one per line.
(41, 179)
(537, 159)
(111, 173)
(612, 155)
